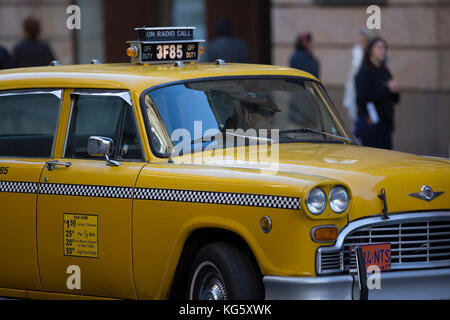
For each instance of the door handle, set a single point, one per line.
(52, 164)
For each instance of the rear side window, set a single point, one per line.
(28, 122)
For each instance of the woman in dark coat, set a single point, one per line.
(303, 58)
(376, 94)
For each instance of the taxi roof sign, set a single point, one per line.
(164, 45)
(165, 34)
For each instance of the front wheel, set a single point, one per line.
(222, 271)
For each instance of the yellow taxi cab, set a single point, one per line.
(168, 178)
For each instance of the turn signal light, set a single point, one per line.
(324, 233)
(132, 52)
(202, 50)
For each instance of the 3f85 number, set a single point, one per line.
(4, 170)
(171, 50)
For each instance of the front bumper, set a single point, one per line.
(432, 284)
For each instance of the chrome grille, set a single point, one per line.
(331, 261)
(410, 242)
(418, 240)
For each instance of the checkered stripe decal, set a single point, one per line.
(242, 199)
(226, 198)
(85, 190)
(18, 187)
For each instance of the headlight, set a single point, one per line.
(339, 199)
(316, 200)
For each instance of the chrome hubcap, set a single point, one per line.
(207, 283)
(212, 288)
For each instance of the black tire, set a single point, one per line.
(222, 271)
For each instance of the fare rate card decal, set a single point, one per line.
(80, 235)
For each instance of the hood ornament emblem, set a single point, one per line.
(426, 193)
(382, 197)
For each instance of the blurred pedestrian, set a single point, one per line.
(5, 59)
(303, 57)
(349, 101)
(376, 94)
(226, 47)
(31, 51)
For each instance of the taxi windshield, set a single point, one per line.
(297, 108)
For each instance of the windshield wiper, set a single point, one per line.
(214, 137)
(310, 130)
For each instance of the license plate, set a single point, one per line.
(376, 254)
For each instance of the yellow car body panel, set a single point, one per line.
(303, 167)
(140, 242)
(111, 273)
(18, 212)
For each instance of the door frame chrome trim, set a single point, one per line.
(123, 94)
(55, 91)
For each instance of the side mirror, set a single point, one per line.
(99, 146)
(102, 146)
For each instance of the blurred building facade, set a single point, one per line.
(416, 30)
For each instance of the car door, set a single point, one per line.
(84, 209)
(28, 125)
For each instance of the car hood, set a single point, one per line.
(366, 171)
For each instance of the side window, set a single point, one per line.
(28, 122)
(129, 146)
(102, 115)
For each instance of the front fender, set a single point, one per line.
(160, 228)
